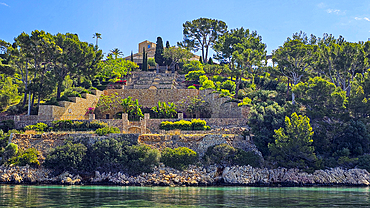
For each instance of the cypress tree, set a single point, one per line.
(201, 59)
(210, 61)
(168, 44)
(145, 65)
(158, 56)
(168, 60)
(132, 57)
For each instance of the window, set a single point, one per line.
(148, 46)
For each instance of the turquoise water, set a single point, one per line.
(117, 196)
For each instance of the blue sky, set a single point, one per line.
(123, 24)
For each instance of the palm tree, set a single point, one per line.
(97, 36)
(116, 52)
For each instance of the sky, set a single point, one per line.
(123, 24)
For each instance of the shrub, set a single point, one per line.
(179, 158)
(141, 158)
(4, 138)
(7, 125)
(40, 127)
(226, 155)
(10, 151)
(93, 125)
(228, 85)
(198, 124)
(217, 78)
(194, 75)
(67, 157)
(28, 157)
(192, 87)
(107, 130)
(62, 125)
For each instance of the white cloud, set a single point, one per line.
(2, 3)
(360, 18)
(335, 11)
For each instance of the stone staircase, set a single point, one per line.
(75, 109)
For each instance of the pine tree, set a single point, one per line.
(158, 56)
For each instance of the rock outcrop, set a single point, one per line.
(194, 176)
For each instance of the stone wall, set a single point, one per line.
(198, 143)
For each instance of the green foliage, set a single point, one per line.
(40, 127)
(360, 96)
(164, 110)
(4, 138)
(8, 91)
(293, 144)
(158, 56)
(192, 87)
(113, 68)
(192, 66)
(67, 157)
(132, 108)
(194, 75)
(320, 98)
(10, 151)
(151, 62)
(195, 107)
(28, 157)
(194, 124)
(141, 158)
(225, 93)
(226, 155)
(7, 125)
(205, 83)
(107, 130)
(201, 34)
(246, 101)
(364, 162)
(68, 125)
(228, 85)
(179, 158)
(355, 138)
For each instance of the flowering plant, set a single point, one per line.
(90, 111)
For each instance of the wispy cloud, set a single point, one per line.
(335, 11)
(321, 5)
(360, 18)
(2, 3)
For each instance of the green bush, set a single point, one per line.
(93, 125)
(228, 85)
(226, 155)
(194, 75)
(10, 151)
(67, 157)
(141, 158)
(40, 127)
(107, 130)
(194, 124)
(198, 124)
(192, 87)
(179, 158)
(4, 138)
(28, 157)
(7, 125)
(62, 125)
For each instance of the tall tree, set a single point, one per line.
(176, 54)
(97, 36)
(242, 50)
(293, 144)
(145, 63)
(132, 57)
(341, 60)
(74, 57)
(295, 57)
(116, 53)
(158, 56)
(200, 34)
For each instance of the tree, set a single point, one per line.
(321, 98)
(293, 144)
(116, 53)
(145, 63)
(210, 61)
(200, 34)
(132, 108)
(360, 96)
(295, 57)
(176, 54)
(132, 57)
(341, 60)
(167, 61)
(112, 69)
(158, 56)
(74, 57)
(97, 36)
(242, 50)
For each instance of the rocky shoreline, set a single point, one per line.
(194, 176)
